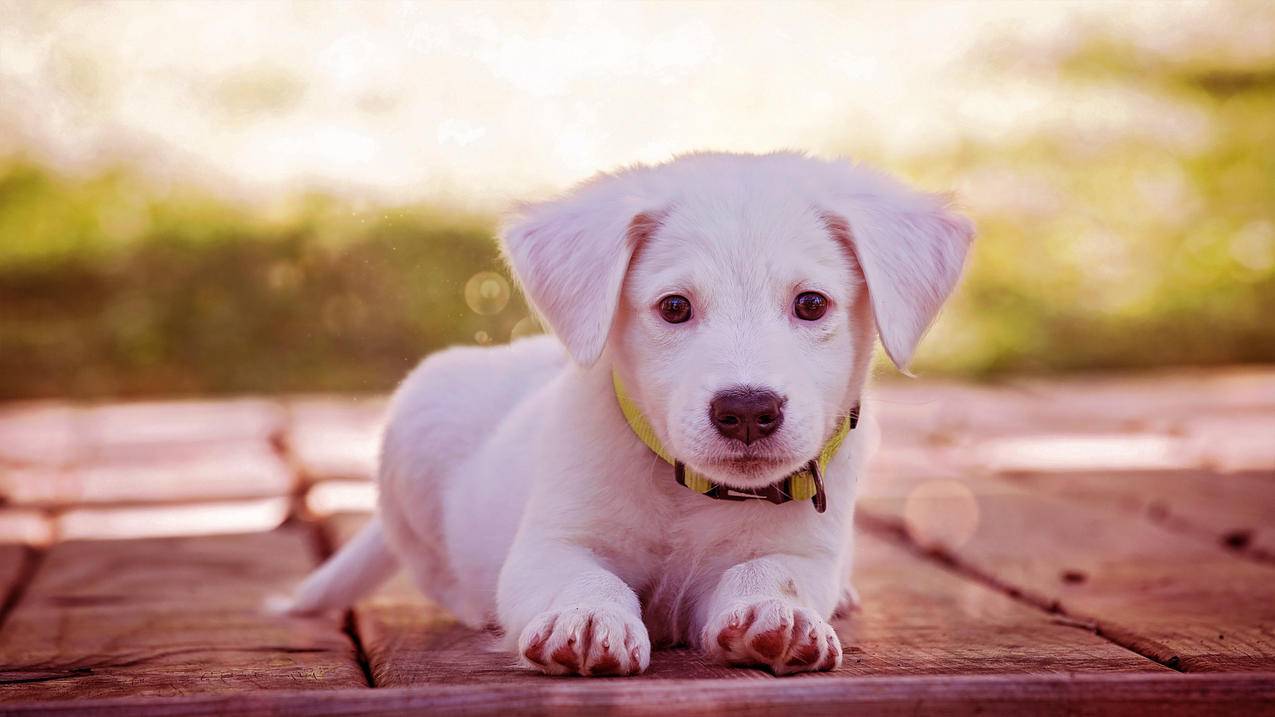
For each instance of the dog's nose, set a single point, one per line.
(746, 414)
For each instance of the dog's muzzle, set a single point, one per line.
(800, 485)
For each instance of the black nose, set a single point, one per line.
(746, 414)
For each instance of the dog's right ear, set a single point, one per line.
(571, 255)
(910, 245)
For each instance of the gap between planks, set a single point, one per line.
(32, 557)
(895, 532)
(324, 549)
(282, 444)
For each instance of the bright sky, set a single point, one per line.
(478, 102)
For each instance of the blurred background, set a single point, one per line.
(209, 198)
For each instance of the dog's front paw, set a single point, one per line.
(773, 634)
(591, 641)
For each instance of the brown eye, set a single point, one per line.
(675, 309)
(810, 305)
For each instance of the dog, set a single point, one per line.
(677, 463)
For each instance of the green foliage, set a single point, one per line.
(195, 296)
(1127, 249)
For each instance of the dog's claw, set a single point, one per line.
(578, 642)
(777, 636)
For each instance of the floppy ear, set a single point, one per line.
(571, 255)
(910, 246)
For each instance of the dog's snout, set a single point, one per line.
(746, 413)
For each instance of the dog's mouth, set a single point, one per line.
(746, 463)
(751, 467)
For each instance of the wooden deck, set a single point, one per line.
(1085, 546)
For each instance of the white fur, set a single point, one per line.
(515, 493)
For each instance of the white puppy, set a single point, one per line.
(733, 301)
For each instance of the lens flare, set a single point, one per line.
(941, 512)
(526, 326)
(487, 293)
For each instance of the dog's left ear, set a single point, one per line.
(910, 245)
(571, 256)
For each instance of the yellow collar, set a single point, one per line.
(803, 484)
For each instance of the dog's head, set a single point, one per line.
(738, 296)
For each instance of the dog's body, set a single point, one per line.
(514, 490)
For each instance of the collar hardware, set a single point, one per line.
(800, 485)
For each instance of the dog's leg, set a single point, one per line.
(571, 615)
(771, 612)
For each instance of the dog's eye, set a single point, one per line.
(675, 309)
(810, 305)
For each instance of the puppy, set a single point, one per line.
(679, 464)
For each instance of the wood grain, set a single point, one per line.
(1161, 695)
(916, 619)
(1184, 602)
(1233, 510)
(169, 617)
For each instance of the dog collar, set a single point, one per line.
(800, 485)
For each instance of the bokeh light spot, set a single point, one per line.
(487, 293)
(526, 326)
(941, 512)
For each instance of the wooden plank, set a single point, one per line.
(169, 617)
(1161, 695)
(1235, 510)
(336, 438)
(41, 433)
(1217, 420)
(1171, 402)
(332, 497)
(165, 473)
(941, 410)
(31, 527)
(124, 431)
(54, 434)
(60, 455)
(11, 560)
(916, 619)
(162, 521)
(1235, 442)
(1184, 602)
